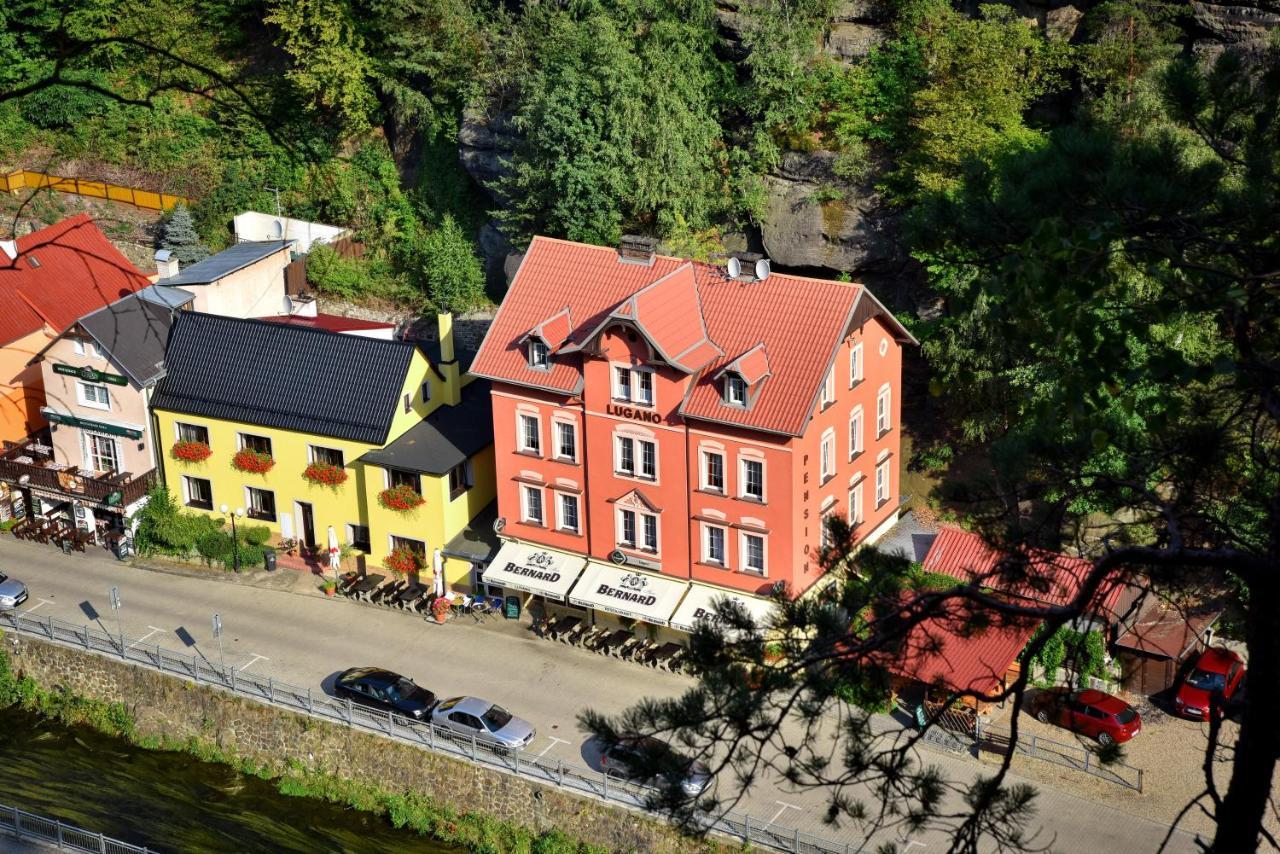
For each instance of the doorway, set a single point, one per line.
(306, 525)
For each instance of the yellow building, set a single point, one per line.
(307, 431)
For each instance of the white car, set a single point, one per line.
(12, 593)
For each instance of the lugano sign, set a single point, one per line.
(635, 414)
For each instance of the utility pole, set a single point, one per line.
(115, 606)
(217, 633)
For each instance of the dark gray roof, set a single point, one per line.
(477, 541)
(166, 296)
(909, 537)
(225, 262)
(133, 332)
(279, 375)
(445, 438)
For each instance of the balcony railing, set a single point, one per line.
(51, 477)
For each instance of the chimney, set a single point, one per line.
(166, 264)
(9, 248)
(637, 249)
(451, 394)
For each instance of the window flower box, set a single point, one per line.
(249, 460)
(402, 499)
(190, 451)
(325, 474)
(402, 562)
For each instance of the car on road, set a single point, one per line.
(651, 760)
(1214, 679)
(1091, 713)
(489, 723)
(383, 689)
(12, 592)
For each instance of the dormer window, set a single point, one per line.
(735, 390)
(539, 354)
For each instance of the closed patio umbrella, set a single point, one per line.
(335, 559)
(437, 567)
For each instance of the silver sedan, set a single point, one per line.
(490, 724)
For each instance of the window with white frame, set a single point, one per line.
(643, 387)
(101, 453)
(827, 455)
(855, 364)
(253, 442)
(261, 504)
(403, 477)
(329, 456)
(566, 441)
(735, 390)
(637, 530)
(460, 479)
(829, 387)
(648, 459)
(531, 504)
(568, 515)
(530, 435)
(635, 457)
(751, 549)
(426, 391)
(85, 347)
(752, 479)
(93, 395)
(825, 538)
(855, 432)
(713, 471)
(417, 548)
(197, 492)
(624, 455)
(191, 432)
(649, 532)
(359, 538)
(621, 383)
(713, 544)
(883, 410)
(855, 504)
(627, 528)
(633, 385)
(539, 354)
(882, 482)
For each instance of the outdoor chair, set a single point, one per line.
(545, 627)
(640, 651)
(385, 594)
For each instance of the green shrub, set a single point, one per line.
(214, 545)
(63, 106)
(255, 535)
(162, 528)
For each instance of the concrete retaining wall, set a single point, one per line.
(165, 706)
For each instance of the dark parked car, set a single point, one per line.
(635, 757)
(382, 689)
(1218, 673)
(1100, 716)
(490, 724)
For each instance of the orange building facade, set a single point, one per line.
(673, 431)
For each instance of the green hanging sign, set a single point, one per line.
(99, 426)
(90, 374)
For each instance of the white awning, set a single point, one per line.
(700, 605)
(534, 569)
(629, 593)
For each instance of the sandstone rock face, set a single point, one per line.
(848, 41)
(1242, 24)
(501, 260)
(815, 220)
(1063, 22)
(484, 142)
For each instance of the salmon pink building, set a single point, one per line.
(668, 432)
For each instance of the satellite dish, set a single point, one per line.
(277, 229)
(762, 269)
(735, 268)
(499, 524)
(617, 557)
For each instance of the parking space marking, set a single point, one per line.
(782, 807)
(256, 658)
(37, 605)
(911, 843)
(554, 742)
(144, 637)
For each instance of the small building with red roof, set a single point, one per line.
(48, 280)
(664, 428)
(340, 324)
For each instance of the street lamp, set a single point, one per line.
(235, 540)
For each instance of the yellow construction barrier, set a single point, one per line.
(22, 179)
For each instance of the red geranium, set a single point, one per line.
(401, 561)
(325, 474)
(402, 498)
(191, 452)
(247, 459)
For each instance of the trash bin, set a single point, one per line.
(269, 559)
(512, 608)
(122, 549)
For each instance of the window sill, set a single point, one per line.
(531, 454)
(754, 573)
(826, 478)
(855, 455)
(570, 531)
(633, 476)
(718, 493)
(638, 551)
(711, 564)
(197, 505)
(857, 382)
(880, 434)
(532, 523)
(458, 493)
(881, 503)
(569, 461)
(261, 517)
(751, 499)
(100, 407)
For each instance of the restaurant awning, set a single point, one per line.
(700, 604)
(624, 591)
(534, 569)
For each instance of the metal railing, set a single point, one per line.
(25, 825)
(1068, 755)
(569, 776)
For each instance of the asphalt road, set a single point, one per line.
(305, 639)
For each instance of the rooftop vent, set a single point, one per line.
(637, 249)
(747, 267)
(166, 264)
(9, 248)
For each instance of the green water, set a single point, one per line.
(171, 801)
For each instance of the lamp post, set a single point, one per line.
(235, 539)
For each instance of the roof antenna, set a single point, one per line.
(735, 267)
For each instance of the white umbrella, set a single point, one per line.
(335, 559)
(437, 566)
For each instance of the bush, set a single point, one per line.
(455, 278)
(215, 545)
(62, 106)
(162, 528)
(255, 535)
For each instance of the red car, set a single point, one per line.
(1100, 716)
(1217, 673)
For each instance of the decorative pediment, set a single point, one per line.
(636, 500)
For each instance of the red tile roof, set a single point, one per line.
(60, 274)
(1044, 576)
(752, 365)
(949, 650)
(1165, 631)
(693, 312)
(330, 322)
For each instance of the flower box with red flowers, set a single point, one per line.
(255, 462)
(401, 561)
(190, 452)
(400, 498)
(325, 474)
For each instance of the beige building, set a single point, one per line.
(246, 280)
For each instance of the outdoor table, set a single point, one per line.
(566, 627)
(666, 652)
(614, 642)
(410, 594)
(39, 448)
(368, 585)
(24, 459)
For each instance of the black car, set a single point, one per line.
(650, 760)
(373, 686)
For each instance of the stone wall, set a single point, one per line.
(165, 706)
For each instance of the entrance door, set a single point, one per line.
(306, 525)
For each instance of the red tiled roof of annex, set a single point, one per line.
(1163, 630)
(330, 322)
(942, 649)
(1047, 577)
(699, 317)
(60, 274)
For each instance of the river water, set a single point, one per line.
(172, 801)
